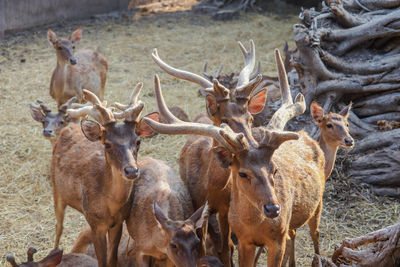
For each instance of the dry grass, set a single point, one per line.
(184, 40)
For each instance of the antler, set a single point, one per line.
(67, 105)
(181, 74)
(10, 258)
(43, 106)
(273, 139)
(288, 109)
(31, 251)
(131, 111)
(97, 110)
(216, 74)
(224, 135)
(249, 63)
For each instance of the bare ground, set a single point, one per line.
(184, 40)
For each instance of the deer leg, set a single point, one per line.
(290, 245)
(142, 260)
(83, 241)
(59, 207)
(100, 246)
(313, 223)
(276, 252)
(246, 255)
(225, 237)
(114, 236)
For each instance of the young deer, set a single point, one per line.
(93, 170)
(269, 197)
(235, 107)
(52, 122)
(55, 258)
(158, 218)
(75, 71)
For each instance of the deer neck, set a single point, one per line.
(118, 189)
(329, 153)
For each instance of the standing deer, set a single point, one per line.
(75, 71)
(277, 183)
(52, 122)
(55, 258)
(159, 218)
(204, 181)
(93, 170)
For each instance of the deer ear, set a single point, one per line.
(76, 35)
(51, 37)
(223, 155)
(211, 105)
(317, 113)
(143, 129)
(346, 110)
(53, 259)
(161, 217)
(36, 113)
(92, 130)
(257, 102)
(199, 216)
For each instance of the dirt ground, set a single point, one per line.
(184, 40)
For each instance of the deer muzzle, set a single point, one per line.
(271, 211)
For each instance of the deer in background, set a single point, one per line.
(52, 122)
(204, 180)
(55, 258)
(75, 71)
(93, 169)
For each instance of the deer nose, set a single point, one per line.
(272, 211)
(349, 141)
(131, 172)
(72, 61)
(47, 132)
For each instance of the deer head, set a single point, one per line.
(51, 260)
(65, 47)
(121, 141)
(234, 107)
(253, 169)
(334, 126)
(52, 122)
(184, 245)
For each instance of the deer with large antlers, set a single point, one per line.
(75, 71)
(55, 258)
(52, 122)
(235, 107)
(93, 169)
(266, 200)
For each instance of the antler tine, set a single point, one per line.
(220, 92)
(10, 258)
(274, 139)
(227, 138)
(43, 106)
(133, 99)
(104, 114)
(249, 63)
(67, 104)
(91, 97)
(181, 74)
(218, 72)
(31, 251)
(245, 91)
(288, 109)
(258, 70)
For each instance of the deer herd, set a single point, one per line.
(259, 184)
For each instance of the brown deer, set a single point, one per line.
(161, 221)
(265, 198)
(233, 107)
(93, 170)
(55, 258)
(75, 71)
(52, 122)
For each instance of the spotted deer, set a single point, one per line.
(55, 258)
(52, 122)
(93, 169)
(75, 71)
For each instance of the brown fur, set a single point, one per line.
(68, 80)
(158, 184)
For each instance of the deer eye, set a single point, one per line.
(61, 122)
(107, 145)
(224, 121)
(329, 126)
(173, 246)
(73, 47)
(347, 125)
(59, 48)
(243, 175)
